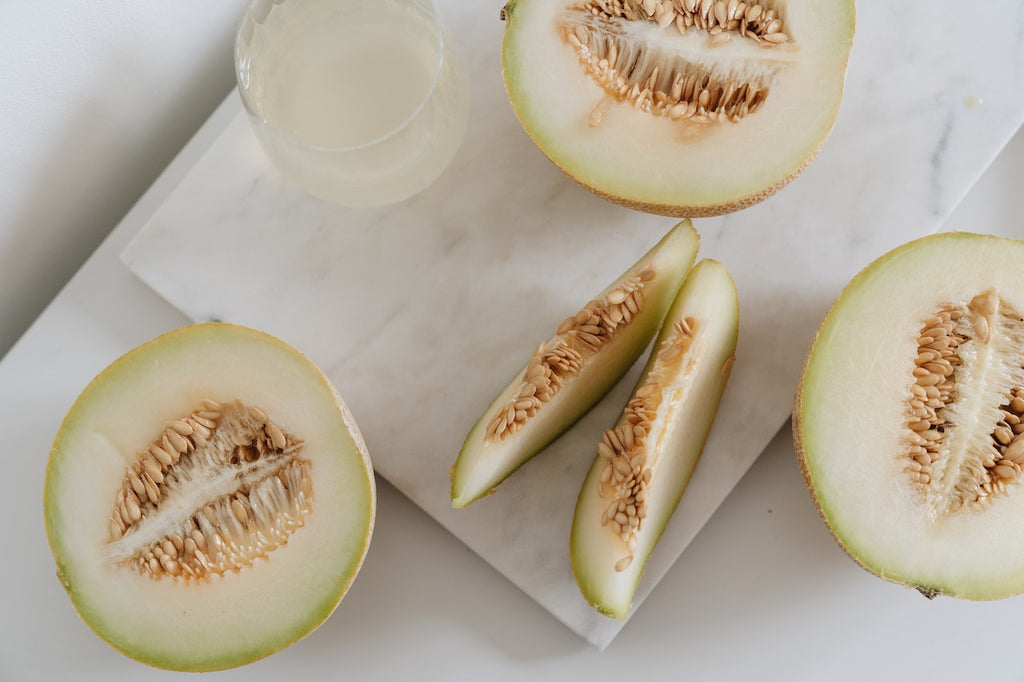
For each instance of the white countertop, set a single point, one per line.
(762, 593)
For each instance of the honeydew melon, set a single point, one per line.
(574, 368)
(645, 460)
(208, 499)
(908, 416)
(678, 107)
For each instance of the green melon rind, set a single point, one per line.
(191, 338)
(708, 294)
(810, 433)
(672, 257)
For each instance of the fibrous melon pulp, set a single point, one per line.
(678, 107)
(910, 412)
(208, 499)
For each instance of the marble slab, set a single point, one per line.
(420, 312)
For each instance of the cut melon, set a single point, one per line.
(908, 418)
(208, 499)
(645, 461)
(678, 107)
(572, 370)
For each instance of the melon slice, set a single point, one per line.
(572, 370)
(909, 416)
(208, 499)
(645, 461)
(678, 107)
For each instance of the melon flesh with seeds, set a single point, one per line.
(909, 414)
(645, 461)
(208, 499)
(680, 107)
(576, 367)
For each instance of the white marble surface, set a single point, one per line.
(420, 312)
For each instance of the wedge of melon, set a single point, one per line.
(208, 499)
(909, 416)
(572, 370)
(678, 107)
(645, 461)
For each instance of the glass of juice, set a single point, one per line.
(361, 102)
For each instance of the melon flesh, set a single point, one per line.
(948, 536)
(223, 620)
(676, 167)
(688, 387)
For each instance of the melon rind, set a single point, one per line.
(238, 618)
(849, 411)
(708, 295)
(482, 465)
(645, 162)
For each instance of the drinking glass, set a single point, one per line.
(361, 102)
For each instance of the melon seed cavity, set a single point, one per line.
(578, 337)
(654, 54)
(967, 370)
(216, 490)
(628, 458)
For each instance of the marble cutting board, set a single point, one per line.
(420, 312)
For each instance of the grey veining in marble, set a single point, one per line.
(422, 311)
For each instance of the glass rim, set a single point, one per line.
(251, 108)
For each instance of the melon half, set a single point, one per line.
(909, 416)
(208, 499)
(678, 107)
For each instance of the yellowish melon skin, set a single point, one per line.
(996, 589)
(149, 353)
(696, 211)
(683, 209)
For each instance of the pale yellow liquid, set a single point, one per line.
(355, 99)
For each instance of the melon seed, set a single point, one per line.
(577, 338)
(628, 467)
(660, 81)
(246, 516)
(945, 355)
